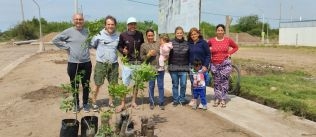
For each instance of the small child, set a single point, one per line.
(165, 47)
(198, 84)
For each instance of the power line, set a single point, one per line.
(212, 13)
(143, 3)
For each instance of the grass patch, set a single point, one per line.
(273, 86)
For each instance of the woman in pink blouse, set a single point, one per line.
(221, 48)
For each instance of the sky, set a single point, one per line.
(212, 11)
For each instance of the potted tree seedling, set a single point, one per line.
(70, 127)
(118, 92)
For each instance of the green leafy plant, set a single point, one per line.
(118, 91)
(94, 28)
(105, 129)
(143, 73)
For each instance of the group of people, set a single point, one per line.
(193, 57)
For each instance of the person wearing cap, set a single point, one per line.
(129, 45)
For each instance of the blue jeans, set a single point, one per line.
(160, 83)
(191, 80)
(178, 78)
(200, 92)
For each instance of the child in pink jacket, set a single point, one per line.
(165, 47)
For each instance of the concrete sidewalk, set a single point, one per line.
(10, 57)
(259, 119)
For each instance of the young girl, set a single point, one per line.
(165, 47)
(199, 80)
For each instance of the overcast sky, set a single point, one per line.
(213, 11)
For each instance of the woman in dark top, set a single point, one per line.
(179, 66)
(198, 50)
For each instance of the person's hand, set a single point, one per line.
(204, 69)
(151, 53)
(125, 51)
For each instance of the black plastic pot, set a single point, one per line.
(69, 128)
(86, 122)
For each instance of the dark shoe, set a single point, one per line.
(151, 107)
(184, 103)
(162, 107)
(175, 104)
(86, 108)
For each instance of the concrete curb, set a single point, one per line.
(14, 64)
(257, 118)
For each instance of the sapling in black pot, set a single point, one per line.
(118, 92)
(69, 127)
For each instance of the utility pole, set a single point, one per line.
(41, 46)
(280, 14)
(22, 11)
(76, 6)
(262, 29)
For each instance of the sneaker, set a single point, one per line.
(75, 110)
(175, 104)
(86, 108)
(191, 102)
(151, 107)
(162, 107)
(204, 107)
(183, 103)
(201, 106)
(95, 108)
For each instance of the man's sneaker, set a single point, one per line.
(75, 110)
(86, 108)
(204, 107)
(95, 108)
(175, 104)
(162, 107)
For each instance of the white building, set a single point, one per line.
(298, 33)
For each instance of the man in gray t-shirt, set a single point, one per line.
(73, 40)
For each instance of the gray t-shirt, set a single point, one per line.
(74, 41)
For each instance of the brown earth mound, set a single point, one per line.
(49, 37)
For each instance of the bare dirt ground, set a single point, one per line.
(30, 100)
(30, 97)
(289, 58)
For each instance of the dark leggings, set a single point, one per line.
(84, 70)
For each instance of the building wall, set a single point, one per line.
(305, 36)
(299, 33)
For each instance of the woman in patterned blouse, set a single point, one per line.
(222, 48)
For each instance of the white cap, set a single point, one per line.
(131, 20)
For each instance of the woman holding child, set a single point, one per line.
(149, 53)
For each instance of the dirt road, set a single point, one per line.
(30, 105)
